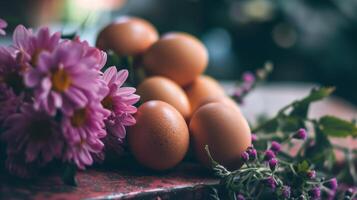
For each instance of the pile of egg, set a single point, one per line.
(181, 107)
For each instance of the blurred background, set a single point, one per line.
(310, 41)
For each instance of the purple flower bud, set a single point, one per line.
(273, 163)
(252, 154)
(315, 193)
(349, 192)
(244, 156)
(331, 195)
(271, 182)
(301, 134)
(248, 77)
(285, 191)
(269, 154)
(311, 174)
(254, 137)
(240, 197)
(331, 184)
(275, 146)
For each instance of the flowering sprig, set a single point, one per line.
(250, 81)
(271, 172)
(269, 176)
(317, 149)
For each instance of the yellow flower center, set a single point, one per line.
(79, 117)
(108, 103)
(61, 80)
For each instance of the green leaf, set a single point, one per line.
(69, 36)
(290, 124)
(301, 107)
(317, 94)
(321, 153)
(69, 175)
(300, 110)
(218, 169)
(336, 127)
(112, 60)
(269, 126)
(303, 167)
(297, 114)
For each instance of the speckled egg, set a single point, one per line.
(178, 56)
(221, 99)
(202, 89)
(224, 130)
(160, 139)
(127, 36)
(164, 89)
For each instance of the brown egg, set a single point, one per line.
(225, 131)
(159, 140)
(164, 89)
(178, 56)
(203, 88)
(127, 36)
(221, 99)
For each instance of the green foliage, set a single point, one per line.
(270, 126)
(136, 74)
(294, 116)
(316, 152)
(303, 167)
(251, 180)
(336, 127)
(69, 174)
(69, 36)
(301, 107)
(321, 153)
(290, 123)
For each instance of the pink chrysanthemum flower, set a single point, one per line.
(120, 102)
(11, 83)
(83, 131)
(3, 24)
(97, 58)
(9, 103)
(30, 45)
(34, 134)
(16, 165)
(64, 80)
(10, 70)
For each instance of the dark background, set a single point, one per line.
(307, 40)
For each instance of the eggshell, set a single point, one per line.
(225, 131)
(127, 36)
(203, 88)
(160, 139)
(178, 56)
(161, 88)
(221, 99)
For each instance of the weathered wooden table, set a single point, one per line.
(187, 181)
